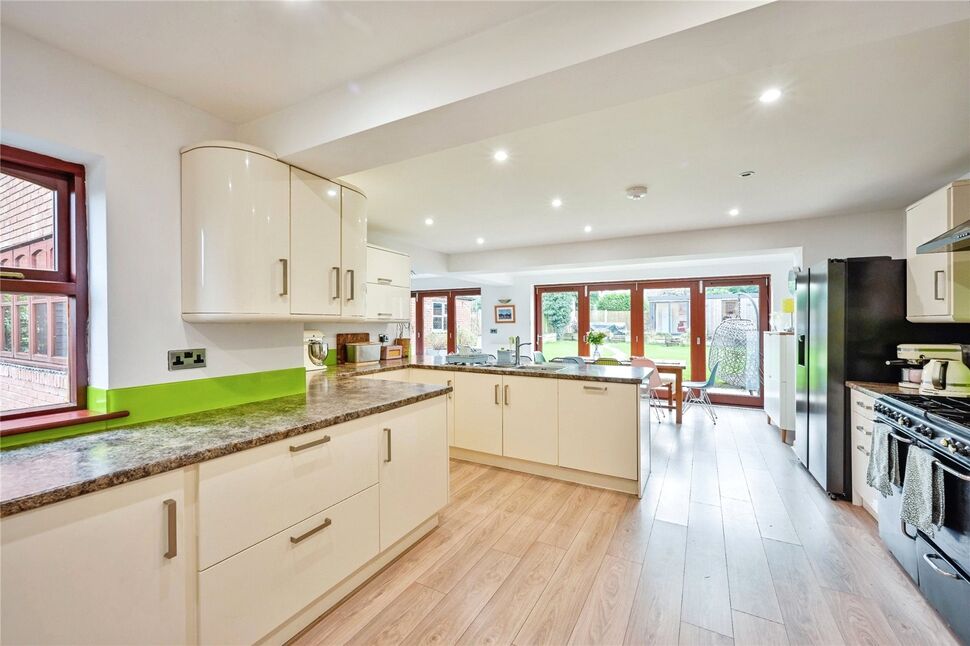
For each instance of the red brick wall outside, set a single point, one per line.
(27, 386)
(26, 223)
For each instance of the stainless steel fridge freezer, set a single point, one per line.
(850, 314)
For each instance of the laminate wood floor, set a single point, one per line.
(733, 543)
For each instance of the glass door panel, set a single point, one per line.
(609, 313)
(733, 321)
(666, 325)
(468, 322)
(434, 329)
(559, 321)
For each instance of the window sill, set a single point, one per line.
(55, 420)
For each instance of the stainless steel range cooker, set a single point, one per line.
(939, 564)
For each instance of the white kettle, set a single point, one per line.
(948, 373)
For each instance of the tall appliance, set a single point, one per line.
(850, 314)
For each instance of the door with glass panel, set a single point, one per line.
(735, 316)
(560, 321)
(447, 322)
(432, 324)
(667, 324)
(610, 315)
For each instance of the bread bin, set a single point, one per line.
(363, 352)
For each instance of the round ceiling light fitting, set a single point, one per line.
(636, 192)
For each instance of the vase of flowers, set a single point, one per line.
(595, 339)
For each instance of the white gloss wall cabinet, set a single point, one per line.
(316, 274)
(111, 567)
(388, 285)
(530, 419)
(598, 427)
(353, 253)
(779, 361)
(413, 484)
(938, 284)
(235, 232)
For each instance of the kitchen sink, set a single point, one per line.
(539, 366)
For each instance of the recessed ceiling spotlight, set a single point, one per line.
(587, 228)
(770, 95)
(556, 202)
(332, 192)
(500, 155)
(746, 173)
(636, 192)
(429, 221)
(479, 240)
(734, 211)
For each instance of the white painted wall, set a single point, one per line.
(128, 137)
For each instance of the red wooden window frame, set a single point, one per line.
(449, 296)
(69, 278)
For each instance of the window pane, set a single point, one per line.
(435, 332)
(30, 379)
(666, 325)
(7, 326)
(61, 322)
(560, 324)
(40, 326)
(27, 221)
(609, 313)
(734, 338)
(468, 321)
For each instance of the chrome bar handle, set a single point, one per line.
(899, 438)
(929, 558)
(326, 523)
(902, 528)
(936, 285)
(451, 395)
(952, 471)
(336, 283)
(350, 278)
(496, 396)
(172, 521)
(388, 458)
(286, 276)
(384, 281)
(508, 399)
(862, 449)
(601, 389)
(309, 445)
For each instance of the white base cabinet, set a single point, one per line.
(245, 597)
(861, 418)
(530, 419)
(478, 412)
(413, 485)
(598, 425)
(779, 361)
(94, 570)
(438, 378)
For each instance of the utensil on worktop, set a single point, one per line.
(315, 350)
(363, 352)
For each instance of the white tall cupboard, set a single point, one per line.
(235, 232)
(779, 385)
(937, 284)
(111, 567)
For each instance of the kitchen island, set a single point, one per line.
(579, 423)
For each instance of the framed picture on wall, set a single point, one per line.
(505, 313)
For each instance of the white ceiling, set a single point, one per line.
(242, 60)
(866, 128)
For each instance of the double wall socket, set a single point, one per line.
(185, 359)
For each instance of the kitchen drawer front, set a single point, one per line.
(860, 465)
(861, 432)
(388, 268)
(862, 403)
(598, 425)
(248, 496)
(388, 303)
(245, 597)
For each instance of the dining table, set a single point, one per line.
(665, 366)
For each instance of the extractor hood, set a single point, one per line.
(956, 239)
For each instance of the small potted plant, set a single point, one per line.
(595, 339)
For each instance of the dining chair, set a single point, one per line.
(538, 357)
(695, 392)
(655, 390)
(577, 360)
(607, 361)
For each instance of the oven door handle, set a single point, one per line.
(902, 528)
(900, 438)
(951, 471)
(929, 558)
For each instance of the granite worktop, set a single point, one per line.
(878, 389)
(610, 374)
(48, 472)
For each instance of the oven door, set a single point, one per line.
(945, 587)
(899, 537)
(954, 537)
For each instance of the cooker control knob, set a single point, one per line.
(905, 421)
